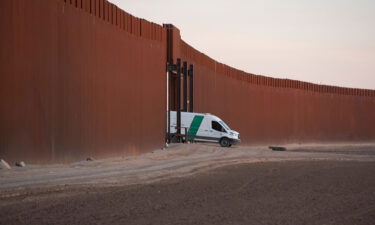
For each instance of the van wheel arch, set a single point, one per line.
(224, 142)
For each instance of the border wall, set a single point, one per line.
(79, 79)
(267, 110)
(82, 78)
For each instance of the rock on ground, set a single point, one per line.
(20, 164)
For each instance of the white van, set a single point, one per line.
(204, 127)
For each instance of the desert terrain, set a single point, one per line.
(199, 184)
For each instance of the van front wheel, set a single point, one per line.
(224, 142)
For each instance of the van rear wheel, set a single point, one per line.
(224, 142)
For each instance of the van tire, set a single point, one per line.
(224, 142)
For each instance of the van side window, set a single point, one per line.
(217, 126)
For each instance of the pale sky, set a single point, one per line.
(323, 41)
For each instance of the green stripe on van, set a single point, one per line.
(194, 127)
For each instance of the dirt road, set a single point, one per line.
(199, 184)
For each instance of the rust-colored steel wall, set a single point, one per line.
(268, 110)
(79, 80)
(84, 78)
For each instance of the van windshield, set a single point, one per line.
(224, 125)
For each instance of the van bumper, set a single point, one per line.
(235, 141)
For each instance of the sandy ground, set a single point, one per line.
(199, 184)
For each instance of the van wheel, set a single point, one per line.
(224, 142)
